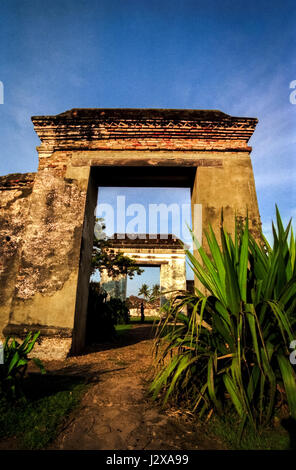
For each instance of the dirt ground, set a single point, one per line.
(116, 412)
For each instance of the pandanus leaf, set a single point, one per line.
(289, 379)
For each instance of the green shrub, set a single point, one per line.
(100, 325)
(232, 351)
(16, 361)
(119, 311)
(103, 315)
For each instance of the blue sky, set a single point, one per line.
(180, 197)
(235, 56)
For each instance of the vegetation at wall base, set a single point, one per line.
(16, 361)
(33, 405)
(232, 351)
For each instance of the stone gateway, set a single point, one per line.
(47, 219)
(165, 251)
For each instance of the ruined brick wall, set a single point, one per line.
(15, 192)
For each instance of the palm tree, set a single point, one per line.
(155, 291)
(144, 291)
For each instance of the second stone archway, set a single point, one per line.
(165, 251)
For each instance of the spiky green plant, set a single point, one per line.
(16, 361)
(233, 347)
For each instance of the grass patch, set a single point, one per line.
(149, 320)
(36, 421)
(122, 329)
(270, 438)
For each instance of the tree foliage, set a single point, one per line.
(144, 291)
(104, 257)
(150, 294)
(155, 291)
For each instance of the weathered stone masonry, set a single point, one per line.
(47, 219)
(15, 192)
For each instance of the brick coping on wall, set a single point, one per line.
(163, 241)
(142, 129)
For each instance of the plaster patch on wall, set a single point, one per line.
(50, 249)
